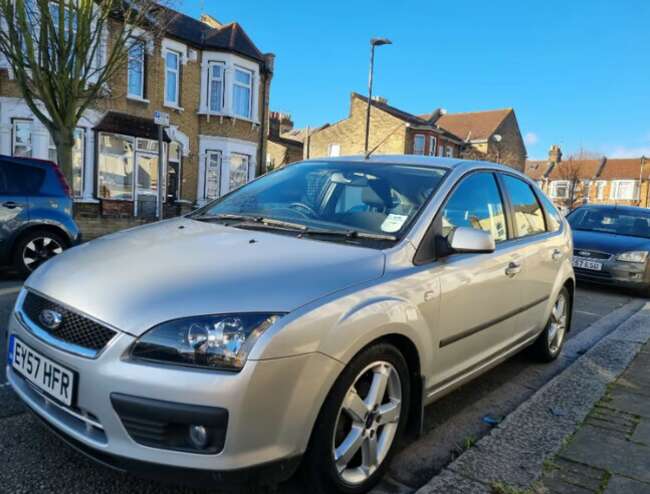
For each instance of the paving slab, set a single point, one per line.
(624, 398)
(623, 485)
(613, 454)
(642, 434)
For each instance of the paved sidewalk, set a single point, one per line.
(610, 452)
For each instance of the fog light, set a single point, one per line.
(199, 436)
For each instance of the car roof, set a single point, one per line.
(620, 207)
(420, 160)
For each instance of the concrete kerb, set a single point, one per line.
(514, 452)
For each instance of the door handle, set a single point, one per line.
(512, 269)
(10, 204)
(557, 255)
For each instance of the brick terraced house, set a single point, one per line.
(212, 80)
(394, 131)
(572, 182)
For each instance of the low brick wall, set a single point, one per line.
(98, 219)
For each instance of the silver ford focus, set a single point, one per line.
(304, 319)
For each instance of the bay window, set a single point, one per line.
(115, 166)
(418, 144)
(560, 189)
(215, 87)
(624, 190)
(136, 70)
(432, 146)
(172, 77)
(22, 138)
(239, 170)
(78, 159)
(242, 92)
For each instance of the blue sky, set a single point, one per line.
(576, 72)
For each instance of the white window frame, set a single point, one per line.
(449, 151)
(208, 155)
(554, 186)
(416, 138)
(334, 150)
(236, 83)
(614, 191)
(600, 189)
(433, 141)
(14, 123)
(211, 79)
(180, 166)
(142, 64)
(177, 73)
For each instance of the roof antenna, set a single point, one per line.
(383, 141)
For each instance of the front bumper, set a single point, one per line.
(271, 406)
(617, 273)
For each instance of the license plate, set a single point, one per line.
(587, 264)
(53, 379)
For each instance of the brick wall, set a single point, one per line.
(350, 133)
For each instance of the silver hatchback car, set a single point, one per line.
(304, 319)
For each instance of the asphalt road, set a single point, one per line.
(34, 461)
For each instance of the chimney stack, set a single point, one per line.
(279, 123)
(555, 154)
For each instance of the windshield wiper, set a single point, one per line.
(226, 217)
(242, 220)
(352, 234)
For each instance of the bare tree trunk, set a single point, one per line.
(64, 141)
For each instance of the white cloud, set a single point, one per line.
(531, 138)
(628, 152)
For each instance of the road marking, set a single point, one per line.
(9, 291)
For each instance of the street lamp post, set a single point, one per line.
(373, 42)
(497, 140)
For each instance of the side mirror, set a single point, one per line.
(470, 240)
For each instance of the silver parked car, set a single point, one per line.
(305, 318)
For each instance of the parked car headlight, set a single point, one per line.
(214, 342)
(634, 256)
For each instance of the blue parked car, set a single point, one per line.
(35, 213)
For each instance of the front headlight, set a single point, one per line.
(634, 256)
(213, 342)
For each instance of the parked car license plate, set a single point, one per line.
(579, 262)
(48, 376)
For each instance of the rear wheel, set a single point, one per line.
(549, 344)
(35, 248)
(360, 423)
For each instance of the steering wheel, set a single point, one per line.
(303, 209)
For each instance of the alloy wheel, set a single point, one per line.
(367, 422)
(39, 250)
(558, 324)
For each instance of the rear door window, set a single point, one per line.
(528, 215)
(476, 203)
(23, 179)
(4, 189)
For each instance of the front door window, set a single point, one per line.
(212, 175)
(147, 192)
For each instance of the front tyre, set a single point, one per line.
(549, 344)
(360, 423)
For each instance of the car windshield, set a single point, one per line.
(631, 222)
(370, 200)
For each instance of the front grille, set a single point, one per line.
(74, 328)
(591, 254)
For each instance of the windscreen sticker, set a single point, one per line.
(393, 223)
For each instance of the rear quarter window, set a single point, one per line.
(528, 214)
(554, 217)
